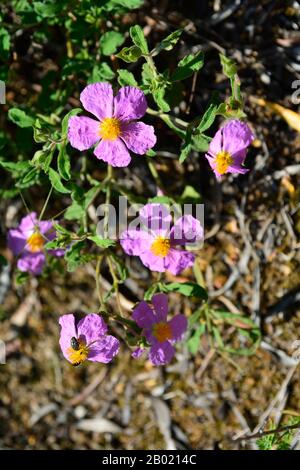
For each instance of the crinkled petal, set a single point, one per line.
(237, 136)
(104, 350)
(32, 262)
(178, 326)
(68, 330)
(58, 252)
(160, 304)
(187, 229)
(113, 152)
(153, 262)
(44, 227)
(216, 143)
(91, 328)
(143, 315)
(138, 137)
(16, 241)
(161, 353)
(130, 103)
(98, 98)
(178, 260)
(83, 132)
(134, 242)
(28, 224)
(156, 217)
(137, 353)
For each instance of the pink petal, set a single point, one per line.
(113, 152)
(178, 326)
(161, 353)
(97, 98)
(83, 132)
(104, 350)
(138, 137)
(91, 328)
(187, 229)
(143, 315)
(156, 217)
(68, 330)
(134, 242)
(130, 103)
(16, 241)
(155, 263)
(32, 263)
(160, 304)
(237, 136)
(178, 260)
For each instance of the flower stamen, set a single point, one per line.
(77, 356)
(35, 242)
(223, 161)
(110, 129)
(162, 332)
(161, 247)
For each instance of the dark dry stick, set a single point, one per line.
(265, 433)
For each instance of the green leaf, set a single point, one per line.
(229, 67)
(130, 54)
(28, 179)
(74, 257)
(4, 43)
(64, 124)
(56, 182)
(74, 212)
(187, 66)
(102, 242)
(190, 196)
(110, 41)
(126, 78)
(139, 39)
(47, 10)
(130, 4)
(42, 159)
(201, 142)
(20, 118)
(63, 162)
(101, 72)
(189, 289)
(194, 341)
(168, 43)
(15, 166)
(208, 118)
(187, 145)
(158, 96)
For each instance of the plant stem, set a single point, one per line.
(115, 284)
(99, 292)
(265, 433)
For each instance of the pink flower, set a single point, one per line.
(227, 150)
(160, 333)
(28, 240)
(156, 244)
(116, 129)
(86, 340)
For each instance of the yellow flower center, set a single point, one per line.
(110, 129)
(223, 161)
(160, 247)
(77, 356)
(162, 332)
(35, 242)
